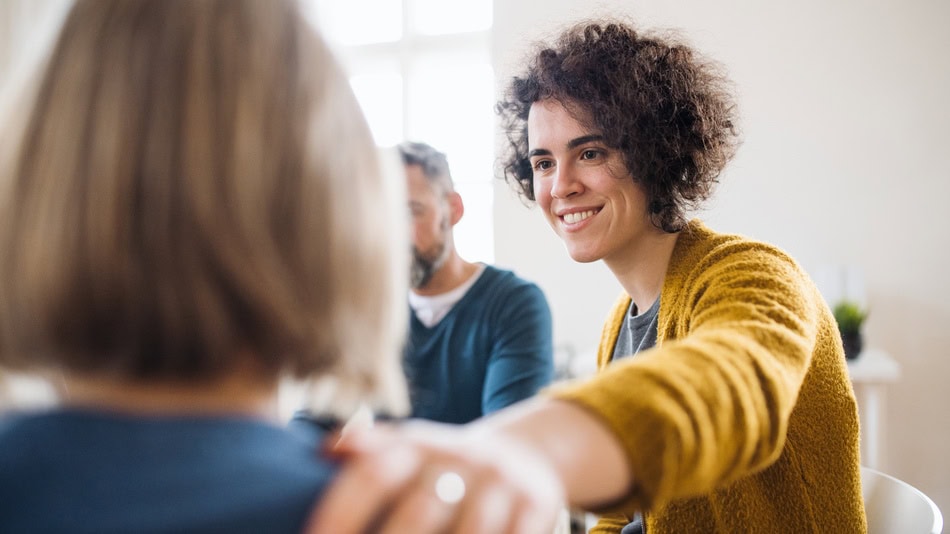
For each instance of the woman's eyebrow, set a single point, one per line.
(576, 142)
(573, 143)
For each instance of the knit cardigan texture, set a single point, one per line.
(742, 418)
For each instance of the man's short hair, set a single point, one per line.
(434, 164)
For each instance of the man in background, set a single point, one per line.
(479, 336)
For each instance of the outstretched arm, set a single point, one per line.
(519, 467)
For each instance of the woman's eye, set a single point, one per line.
(542, 165)
(589, 154)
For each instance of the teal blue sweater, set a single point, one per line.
(492, 349)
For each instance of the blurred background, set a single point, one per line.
(846, 134)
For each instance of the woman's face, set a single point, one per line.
(584, 188)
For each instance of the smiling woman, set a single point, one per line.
(585, 192)
(677, 130)
(722, 403)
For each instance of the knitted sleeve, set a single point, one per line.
(711, 403)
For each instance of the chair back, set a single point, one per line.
(893, 506)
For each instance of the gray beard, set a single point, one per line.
(424, 266)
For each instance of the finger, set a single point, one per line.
(533, 517)
(360, 440)
(364, 486)
(420, 511)
(488, 510)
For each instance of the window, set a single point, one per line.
(421, 70)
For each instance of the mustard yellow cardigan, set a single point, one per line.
(742, 418)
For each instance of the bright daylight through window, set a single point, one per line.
(421, 70)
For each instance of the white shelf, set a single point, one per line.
(870, 372)
(873, 366)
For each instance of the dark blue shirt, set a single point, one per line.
(492, 349)
(82, 471)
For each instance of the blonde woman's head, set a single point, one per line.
(194, 181)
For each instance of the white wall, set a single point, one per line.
(846, 129)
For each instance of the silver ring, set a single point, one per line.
(450, 487)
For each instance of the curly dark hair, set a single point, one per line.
(668, 110)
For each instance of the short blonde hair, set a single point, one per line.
(195, 181)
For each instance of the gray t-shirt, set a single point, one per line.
(638, 332)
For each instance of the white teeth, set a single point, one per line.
(572, 218)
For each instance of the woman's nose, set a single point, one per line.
(565, 184)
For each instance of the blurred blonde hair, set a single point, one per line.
(194, 180)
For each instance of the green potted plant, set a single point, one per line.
(850, 316)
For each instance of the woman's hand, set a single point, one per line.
(428, 478)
